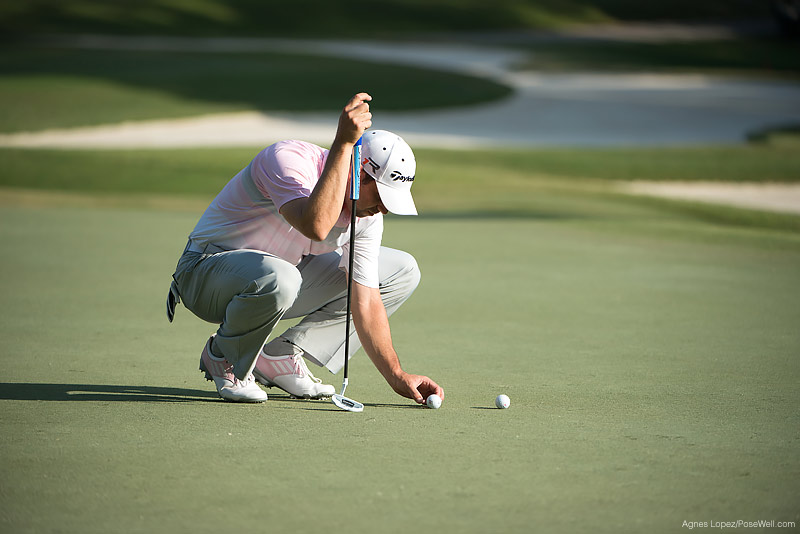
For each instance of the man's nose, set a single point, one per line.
(382, 208)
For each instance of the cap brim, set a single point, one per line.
(396, 201)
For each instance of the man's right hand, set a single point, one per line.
(416, 387)
(315, 215)
(354, 120)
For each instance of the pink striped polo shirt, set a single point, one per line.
(245, 214)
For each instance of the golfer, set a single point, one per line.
(273, 245)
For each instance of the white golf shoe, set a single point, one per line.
(229, 387)
(291, 374)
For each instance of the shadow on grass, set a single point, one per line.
(102, 392)
(384, 405)
(326, 405)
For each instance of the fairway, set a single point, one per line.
(56, 88)
(650, 357)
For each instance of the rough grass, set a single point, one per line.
(202, 171)
(505, 184)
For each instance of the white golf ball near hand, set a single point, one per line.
(433, 401)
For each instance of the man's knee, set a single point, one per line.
(406, 274)
(289, 281)
(282, 284)
(412, 272)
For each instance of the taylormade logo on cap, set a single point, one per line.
(389, 160)
(397, 176)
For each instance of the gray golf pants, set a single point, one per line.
(247, 292)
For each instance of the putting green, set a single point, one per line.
(651, 360)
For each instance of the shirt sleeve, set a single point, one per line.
(285, 171)
(369, 232)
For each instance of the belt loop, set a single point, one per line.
(208, 248)
(191, 246)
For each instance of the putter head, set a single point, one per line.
(346, 403)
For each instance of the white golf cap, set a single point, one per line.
(389, 160)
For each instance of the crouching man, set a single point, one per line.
(273, 245)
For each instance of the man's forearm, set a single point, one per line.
(372, 326)
(325, 202)
(315, 215)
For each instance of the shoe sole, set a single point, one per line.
(242, 401)
(267, 383)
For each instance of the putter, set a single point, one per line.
(340, 400)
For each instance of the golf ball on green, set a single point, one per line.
(502, 402)
(433, 401)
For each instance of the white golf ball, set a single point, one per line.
(502, 402)
(433, 401)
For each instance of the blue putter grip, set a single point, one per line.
(356, 182)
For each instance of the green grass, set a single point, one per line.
(762, 57)
(42, 88)
(202, 171)
(651, 359)
(516, 177)
(394, 18)
(647, 346)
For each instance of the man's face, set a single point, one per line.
(369, 201)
